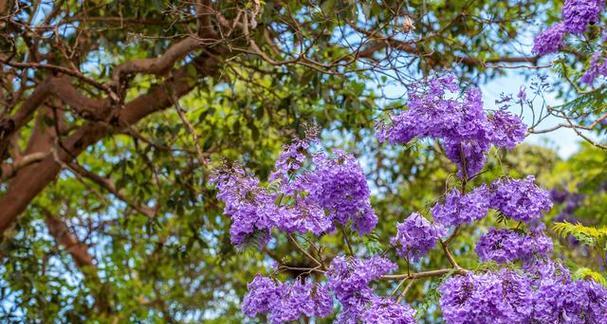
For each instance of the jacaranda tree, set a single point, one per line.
(314, 194)
(228, 161)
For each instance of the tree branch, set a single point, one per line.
(32, 179)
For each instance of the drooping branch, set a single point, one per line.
(379, 42)
(108, 185)
(62, 234)
(81, 256)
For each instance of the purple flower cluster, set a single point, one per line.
(251, 207)
(339, 186)
(285, 302)
(460, 209)
(550, 40)
(333, 190)
(598, 67)
(508, 130)
(486, 298)
(349, 279)
(388, 311)
(415, 237)
(461, 124)
(510, 297)
(578, 14)
(504, 245)
(521, 200)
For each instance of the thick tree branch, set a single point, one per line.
(31, 180)
(159, 65)
(10, 169)
(61, 88)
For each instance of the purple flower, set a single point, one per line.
(284, 302)
(262, 292)
(469, 156)
(323, 301)
(250, 207)
(349, 280)
(508, 129)
(598, 67)
(349, 277)
(550, 40)
(521, 200)
(290, 160)
(415, 237)
(504, 245)
(578, 14)
(502, 297)
(339, 186)
(388, 311)
(460, 124)
(581, 301)
(460, 209)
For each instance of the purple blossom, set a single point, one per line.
(349, 277)
(349, 280)
(460, 209)
(522, 94)
(598, 67)
(288, 301)
(339, 186)
(504, 245)
(415, 237)
(323, 301)
(262, 292)
(250, 207)
(388, 311)
(469, 156)
(290, 160)
(578, 14)
(508, 129)
(550, 40)
(460, 124)
(521, 200)
(502, 297)
(581, 301)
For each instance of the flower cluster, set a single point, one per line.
(251, 207)
(576, 16)
(511, 297)
(333, 190)
(598, 67)
(349, 279)
(386, 310)
(285, 302)
(415, 237)
(462, 125)
(521, 200)
(504, 245)
(340, 187)
(460, 209)
(485, 298)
